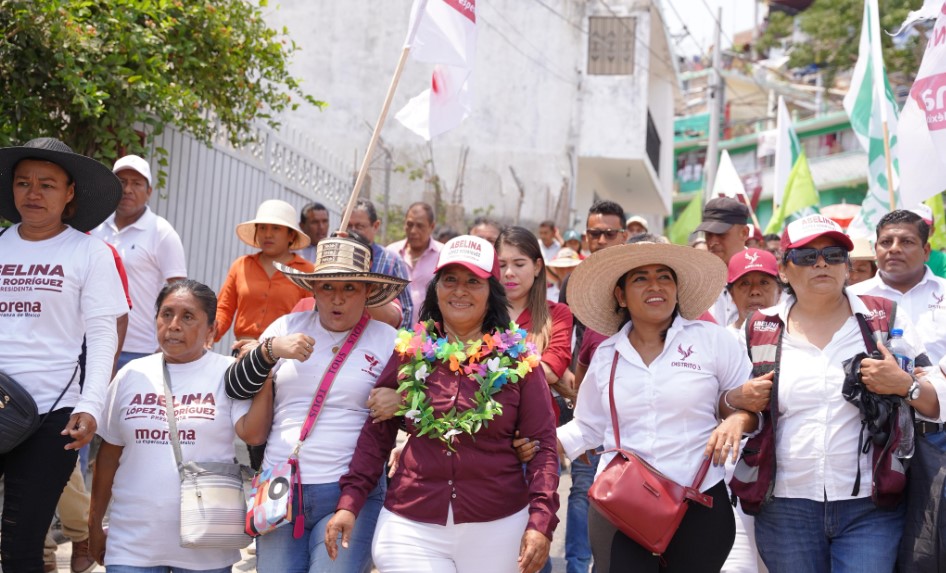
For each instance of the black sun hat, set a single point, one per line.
(97, 189)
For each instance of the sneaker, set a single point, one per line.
(81, 561)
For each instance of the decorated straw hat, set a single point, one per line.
(344, 259)
(97, 190)
(273, 212)
(862, 251)
(701, 277)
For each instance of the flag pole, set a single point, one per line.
(376, 134)
(893, 200)
(880, 91)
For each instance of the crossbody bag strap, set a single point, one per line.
(866, 333)
(614, 412)
(327, 379)
(171, 416)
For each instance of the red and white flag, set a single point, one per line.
(922, 130)
(443, 32)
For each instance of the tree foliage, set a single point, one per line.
(832, 31)
(100, 73)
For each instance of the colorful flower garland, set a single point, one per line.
(493, 361)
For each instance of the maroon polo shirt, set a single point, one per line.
(483, 479)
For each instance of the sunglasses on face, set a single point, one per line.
(596, 234)
(809, 257)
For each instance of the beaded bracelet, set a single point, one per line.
(268, 347)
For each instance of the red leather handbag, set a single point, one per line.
(635, 497)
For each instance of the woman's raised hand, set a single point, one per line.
(343, 522)
(383, 403)
(293, 346)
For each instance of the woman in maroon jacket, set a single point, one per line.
(548, 323)
(469, 382)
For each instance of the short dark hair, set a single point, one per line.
(368, 207)
(487, 221)
(444, 233)
(771, 237)
(548, 224)
(497, 312)
(904, 217)
(427, 209)
(204, 294)
(604, 207)
(314, 206)
(644, 238)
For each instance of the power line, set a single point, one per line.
(525, 39)
(562, 16)
(686, 30)
(514, 46)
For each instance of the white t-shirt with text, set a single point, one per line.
(144, 523)
(48, 289)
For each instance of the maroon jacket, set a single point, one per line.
(483, 479)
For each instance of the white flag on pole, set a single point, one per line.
(728, 183)
(869, 102)
(443, 33)
(922, 130)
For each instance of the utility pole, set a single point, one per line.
(715, 103)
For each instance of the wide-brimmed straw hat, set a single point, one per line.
(273, 212)
(97, 189)
(701, 277)
(862, 251)
(344, 259)
(564, 259)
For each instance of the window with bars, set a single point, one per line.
(611, 46)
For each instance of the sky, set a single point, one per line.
(737, 16)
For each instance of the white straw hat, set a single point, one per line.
(273, 212)
(701, 277)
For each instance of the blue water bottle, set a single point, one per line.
(904, 355)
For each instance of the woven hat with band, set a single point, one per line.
(344, 259)
(273, 212)
(701, 277)
(97, 189)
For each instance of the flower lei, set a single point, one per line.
(495, 360)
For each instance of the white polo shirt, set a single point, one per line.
(925, 304)
(816, 440)
(152, 253)
(328, 449)
(666, 410)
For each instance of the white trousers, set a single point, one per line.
(402, 545)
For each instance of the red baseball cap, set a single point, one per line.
(805, 230)
(751, 260)
(473, 253)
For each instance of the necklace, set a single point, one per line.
(492, 361)
(337, 342)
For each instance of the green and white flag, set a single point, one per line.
(869, 103)
(799, 200)
(679, 232)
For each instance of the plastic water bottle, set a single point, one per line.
(900, 350)
(903, 354)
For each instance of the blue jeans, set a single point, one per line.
(577, 545)
(161, 569)
(126, 357)
(805, 536)
(280, 552)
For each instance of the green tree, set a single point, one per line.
(107, 76)
(832, 31)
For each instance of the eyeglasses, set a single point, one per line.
(809, 257)
(595, 234)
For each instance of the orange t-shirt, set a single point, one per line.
(254, 299)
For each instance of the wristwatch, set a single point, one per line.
(914, 392)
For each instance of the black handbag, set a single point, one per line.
(19, 417)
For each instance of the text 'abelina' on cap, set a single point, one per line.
(473, 253)
(807, 229)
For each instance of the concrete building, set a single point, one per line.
(574, 101)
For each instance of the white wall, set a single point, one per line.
(532, 102)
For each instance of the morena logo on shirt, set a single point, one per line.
(372, 363)
(938, 305)
(684, 355)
